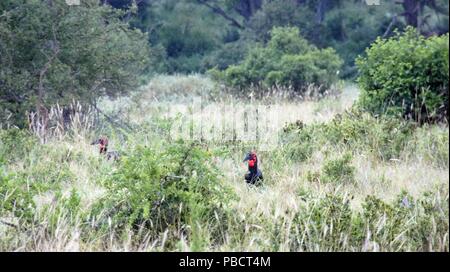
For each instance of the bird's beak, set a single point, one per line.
(247, 157)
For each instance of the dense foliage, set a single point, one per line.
(406, 76)
(51, 52)
(160, 189)
(196, 35)
(288, 60)
(385, 138)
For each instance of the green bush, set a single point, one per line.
(176, 186)
(406, 76)
(15, 144)
(286, 60)
(299, 141)
(385, 138)
(15, 199)
(339, 170)
(107, 55)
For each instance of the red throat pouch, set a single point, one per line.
(251, 163)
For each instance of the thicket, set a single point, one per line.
(287, 60)
(406, 76)
(383, 137)
(194, 36)
(174, 189)
(54, 53)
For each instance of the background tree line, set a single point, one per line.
(197, 35)
(54, 53)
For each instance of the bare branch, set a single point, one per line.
(388, 30)
(111, 120)
(216, 9)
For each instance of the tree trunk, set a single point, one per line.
(321, 9)
(218, 10)
(246, 8)
(41, 110)
(412, 11)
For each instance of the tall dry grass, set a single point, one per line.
(265, 218)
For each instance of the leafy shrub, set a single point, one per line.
(14, 144)
(375, 210)
(173, 187)
(433, 222)
(299, 141)
(15, 199)
(406, 76)
(287, 60)
(317, 67)
(384, 137)
(102, 51)
(339, 170)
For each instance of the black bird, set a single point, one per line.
(253, 175)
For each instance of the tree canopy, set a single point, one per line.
(54, 53)
(196, 35)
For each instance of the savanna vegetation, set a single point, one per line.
(346, 105)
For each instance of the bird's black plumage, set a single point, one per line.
(254, 174)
